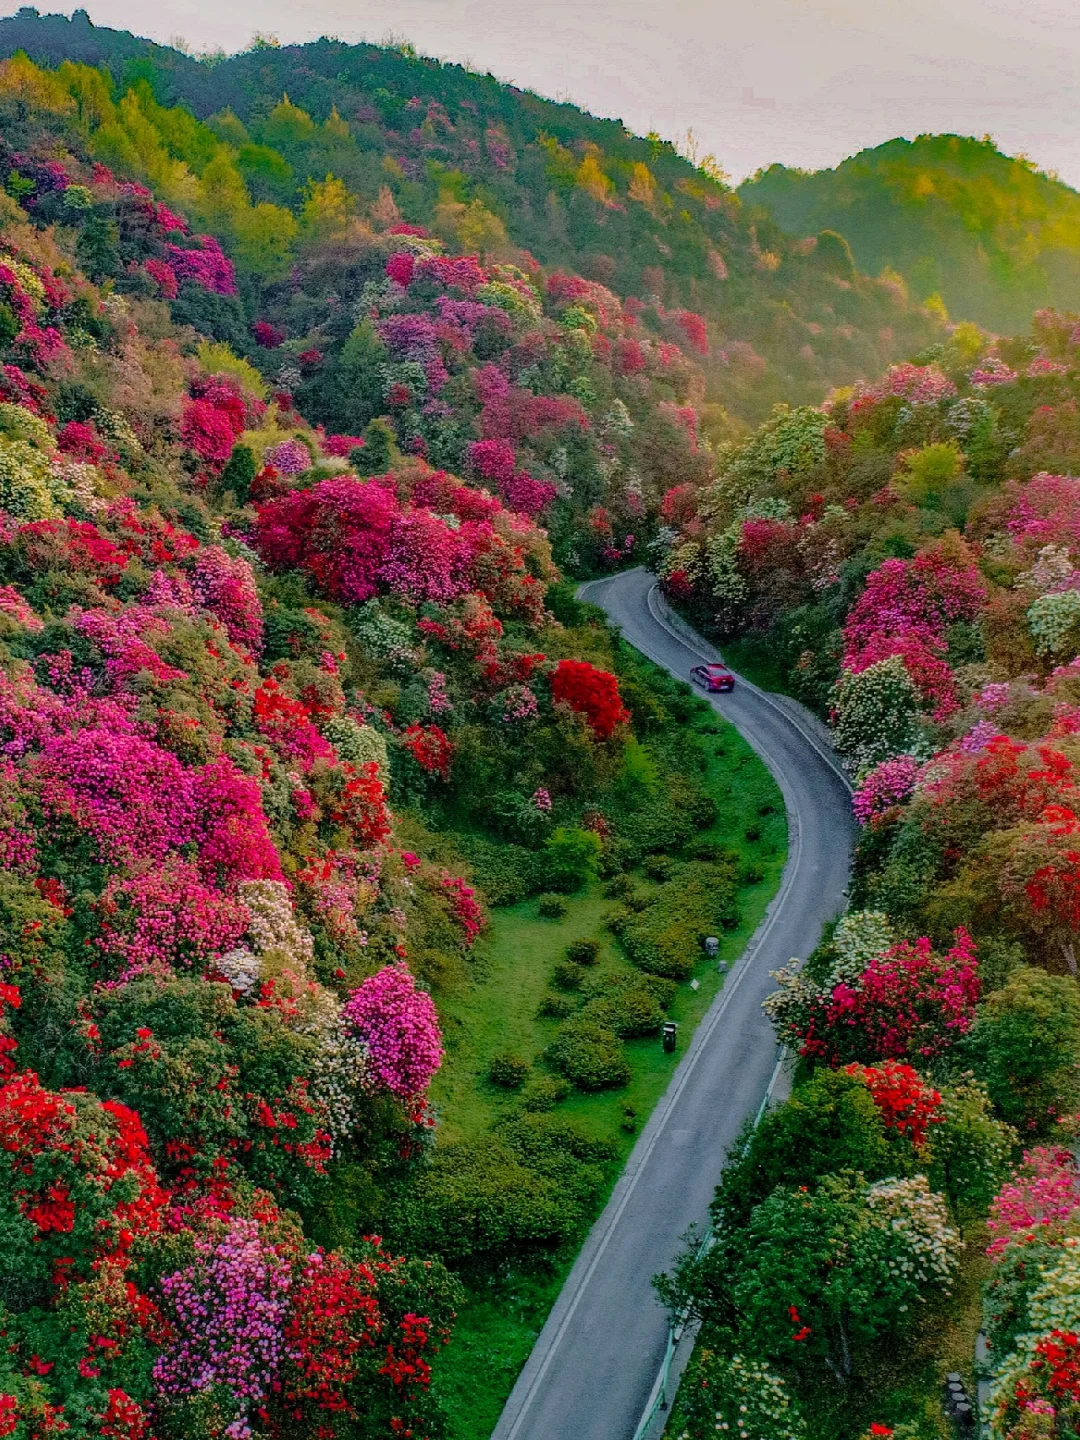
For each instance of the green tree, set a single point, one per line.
(571, 857)
(1026, 1047)
(970, 1151)
(349, 392)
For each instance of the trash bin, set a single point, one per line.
(671, 1030)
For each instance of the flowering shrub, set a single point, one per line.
(737, 1396)
(907, 1002)
(226, 1311)
(1042, 1194)
(886, 785)
(594, 693)
(397, 1023)
(906, 1103)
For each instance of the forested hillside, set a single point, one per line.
(490, 169)
(285, 713)
(990, 234)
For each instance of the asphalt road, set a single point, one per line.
(591, 1371)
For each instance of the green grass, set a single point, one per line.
(496, 1012)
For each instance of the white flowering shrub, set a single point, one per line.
(340, 1075)
(738, 1397)
(725, 578)
(358, 744)
(617, 423)
(1052, 620)
(380, 634)
(860, 936)
(18, 423)
(275, 933)
(791, 442)
(911, 1210)
(877, 715)
(240, 968)
(113, 426)
(1053, 570)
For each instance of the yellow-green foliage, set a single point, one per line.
(17, 423)
(29, 487)
(928, 471)
(218, 359)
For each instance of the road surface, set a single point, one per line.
(591, 1372)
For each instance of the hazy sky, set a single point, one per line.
(804, 82)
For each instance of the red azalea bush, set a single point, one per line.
(592, 693)
(908, 1003)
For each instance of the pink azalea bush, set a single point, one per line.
(398, 1024)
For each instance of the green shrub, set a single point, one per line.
(583, 952)
(751, 875)
(505, 1193)
(620, 888)
(591, 1056)
(552, 907)
(555, 1007)
(665, 938)
(544, 1092)
(567, 975)
(753, 832)
(659, 867)
(571, 858)
(507, 1071)
(628, 1005)
(505, 873)
(1026, 1046)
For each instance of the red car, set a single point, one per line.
(713, 677)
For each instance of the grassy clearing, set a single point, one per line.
(496, 1012)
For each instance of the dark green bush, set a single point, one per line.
(517, 1189)
(567, 975)
(552, 907)
(659, 867)
(751, 875)
(591, 1056)
(507, 1071)
(665, 938)
(629, 1009)
(583, 952)
(619, 888)
(753, 832)
(506, 873)
(544, 1092)
(555, 1007)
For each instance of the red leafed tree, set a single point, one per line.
(593, 693)
(1041, 878)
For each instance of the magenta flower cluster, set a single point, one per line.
(888, 784)
(227, 1311)
(398, 1024)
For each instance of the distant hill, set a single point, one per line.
(492, 168)
(993, 236)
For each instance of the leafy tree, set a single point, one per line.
(1026, 1049)
(821, 1274)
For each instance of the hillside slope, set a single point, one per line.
(954, 216)
(491, 168)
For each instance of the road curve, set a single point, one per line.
(591, 1371)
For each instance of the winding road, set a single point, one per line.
(591, 1372)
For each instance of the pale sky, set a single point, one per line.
(804, 82)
